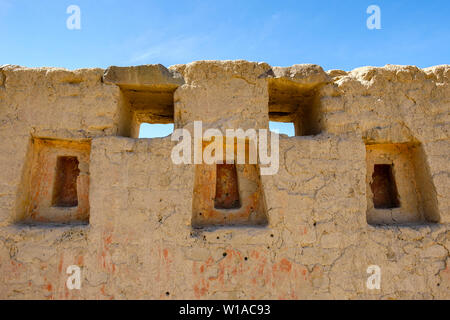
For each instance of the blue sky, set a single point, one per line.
(281, 33)
(332, 34)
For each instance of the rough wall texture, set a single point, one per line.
(139, 241)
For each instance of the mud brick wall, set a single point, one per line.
(137, 237)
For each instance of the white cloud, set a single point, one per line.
(176, 49)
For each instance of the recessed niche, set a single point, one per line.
(227, 190)
(291, 102)
(384, 188)
(65, 186)
(228, 195)
(58, 182)
(399, 186)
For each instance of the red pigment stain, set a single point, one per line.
(16, 264)
(108, 239)
(199, 292)
(60, 265)
(196, 291)
(105, 257)
(232, 264)
(285, 265)
(254, 254)
(261, 267)
(209, 261)
(80, 261)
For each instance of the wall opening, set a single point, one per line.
(384, 188)
(143, 106)
(286, 128)
(227, 191)
(65, 186)
(152, 130)
(291, 102)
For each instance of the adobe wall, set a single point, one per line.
(138, 240)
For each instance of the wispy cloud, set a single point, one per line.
(220, 42)
(176, 49)
(266, 31)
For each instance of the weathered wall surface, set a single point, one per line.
(396, 105)
(48, 103)
(140, 243)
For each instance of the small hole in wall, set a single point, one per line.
(151, 130)
(224, 254)
(65, 187)
(383, 187)
(167, 293)
(286, 128)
